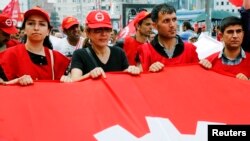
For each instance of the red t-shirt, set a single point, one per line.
(130, 48)
(12, 43)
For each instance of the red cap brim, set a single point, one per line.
(10, 30)
(36, 12)
(70, 25)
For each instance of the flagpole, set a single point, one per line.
(208, 18)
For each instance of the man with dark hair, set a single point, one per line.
(73, 41)
(167, 48)
(232, 59)
(187, 31)
(130, 44)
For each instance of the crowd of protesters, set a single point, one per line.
(34, 53)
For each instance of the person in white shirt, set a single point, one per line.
(73, 39)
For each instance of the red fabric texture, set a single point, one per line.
(49, 111)
(12, 43)
(130, 48)
(148, 55)
(16, 62)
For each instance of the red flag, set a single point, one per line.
(236, 3)
(13, 10)
(9, 8)
(163, 106)
(127, 31)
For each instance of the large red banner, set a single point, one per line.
(175, 104)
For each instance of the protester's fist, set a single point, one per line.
(155, 67)
(241, 76)
(96, 72)
(205, 63)
(66, 78)
(133, 70)
(25, 80)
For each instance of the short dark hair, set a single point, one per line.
(163, 8)
(228, 21)
(188, 25)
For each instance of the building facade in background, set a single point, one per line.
(186, 9)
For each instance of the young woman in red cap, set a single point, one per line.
(35, 59)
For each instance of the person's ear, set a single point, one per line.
(137, 26)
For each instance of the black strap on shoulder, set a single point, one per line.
(91, 57)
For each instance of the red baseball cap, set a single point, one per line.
(37, 11)
(69, 21)
(141, 16)
(97, 19)
(7, 25)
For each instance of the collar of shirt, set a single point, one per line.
(236, 61)
(179, 47)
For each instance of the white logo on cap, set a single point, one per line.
(8, 22)
(99, 16)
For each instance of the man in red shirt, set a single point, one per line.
(167, 48)
(232, 60)
(6, 29)
(130, 44)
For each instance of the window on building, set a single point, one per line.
(59, 8)
(222, 3)
(103, 7)
(217, 3)
(227, 3)
(59, 1)
(232, 10)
